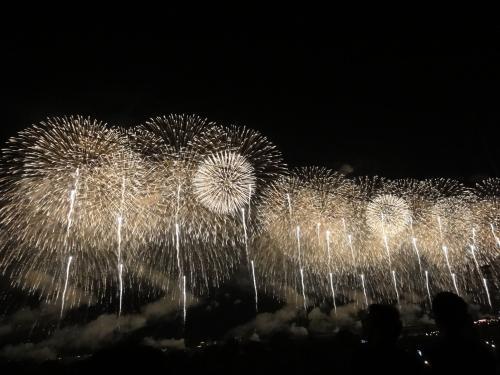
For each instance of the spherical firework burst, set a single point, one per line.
(388, 215)
(224, 182)
(251, 150)
(50, 209)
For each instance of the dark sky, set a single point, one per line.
(408, 100)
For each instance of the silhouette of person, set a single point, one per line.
(458, 349)
(381, 354)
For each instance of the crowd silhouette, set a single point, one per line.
(458, 349)
(382, 327)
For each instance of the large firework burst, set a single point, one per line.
(52, 208)
(224, 182)
(87, 210)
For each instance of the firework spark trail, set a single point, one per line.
(184, 308)
(120, 281)
(415, 247)
(120, 264)
(297, 234)
(445, 252)
(65, 286)
(349, 240)
(327, 236)
(245, 238)
(119, 223)
(455, 285)
(330, 275)
(177, 232)
(255, 287)
(440, 226)
(395, 286)
(72, 198)
(301, 270)
(348, 237)
(289, 200)
(364, 289)
(303, 288)
(249, 203)
(427, 287)
(386, 241)
(473, 252)
(351, 247)
(245, 234)
(393, 272)
(177, 248)
(414, 243)
(485, 283)
(333, 293)
(473, 248)
(328, 255)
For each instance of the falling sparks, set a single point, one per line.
(333, 293)
(485, 283)
(255, 287)
(455, 284)
(427, 287)
(364, 289)
(63, 299)
(120, 288)
(184, 300)
(395, 286)
(303, 288)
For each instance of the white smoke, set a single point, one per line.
(102, 331)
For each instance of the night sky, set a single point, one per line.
(400, 99)
(408, 100)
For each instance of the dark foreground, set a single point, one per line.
(341, 353)
(384, 347)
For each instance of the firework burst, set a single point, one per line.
(52, 209)
(224, 182)
(91, 213)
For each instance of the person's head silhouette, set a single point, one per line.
(451, 314)
(382, 325)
